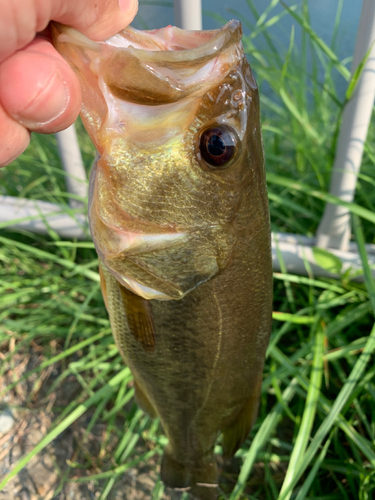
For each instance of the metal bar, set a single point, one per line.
(296, 252)
(188, 14)
(71, 159)
(334, 229)
(41, 216)
(299, 255)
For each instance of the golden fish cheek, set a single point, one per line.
(172, 272)
(163, 266)
(164, 190)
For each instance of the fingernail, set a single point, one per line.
(48, 103)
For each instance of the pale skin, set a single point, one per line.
(39, 92)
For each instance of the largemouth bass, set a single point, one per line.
(179, 217)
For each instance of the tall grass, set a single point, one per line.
(314, 437)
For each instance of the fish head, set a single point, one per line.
(179, 177)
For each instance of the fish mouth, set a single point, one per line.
(169, 44)
(171, 64)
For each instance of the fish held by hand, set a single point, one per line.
(179, 217)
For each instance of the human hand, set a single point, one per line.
(39, 92)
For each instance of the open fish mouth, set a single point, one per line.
(183, 45)
(171, 64)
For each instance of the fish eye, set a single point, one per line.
(218, 145)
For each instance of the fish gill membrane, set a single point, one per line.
(179, 216)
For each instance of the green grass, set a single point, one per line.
(314, 437)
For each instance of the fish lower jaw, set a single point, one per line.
(142, 290)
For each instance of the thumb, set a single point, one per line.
(97, 20)
(20, 20)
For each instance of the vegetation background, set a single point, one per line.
(66, 385)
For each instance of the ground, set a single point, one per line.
(27, 414)
(45, 476)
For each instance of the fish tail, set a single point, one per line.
(205, 491)
(173, 473)
(200, 481)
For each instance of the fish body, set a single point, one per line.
(179, 217)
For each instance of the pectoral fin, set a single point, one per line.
(235, 434)
(140, 320)
(103, 286)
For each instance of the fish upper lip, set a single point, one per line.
(230, 34)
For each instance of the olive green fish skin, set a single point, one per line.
(211, 255)
(209, 352)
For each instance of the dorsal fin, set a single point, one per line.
(140, 320)
(235, 434)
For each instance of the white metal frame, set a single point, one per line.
(295, 251)
(40, 216)
(335, 229)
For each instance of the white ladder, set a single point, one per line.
(296, 251)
